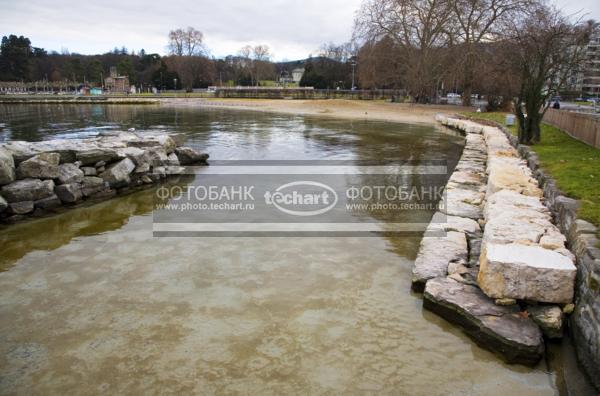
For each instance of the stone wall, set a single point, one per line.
(508, 279)
(40, 178)
(584, 323)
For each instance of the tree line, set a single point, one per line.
(188, 65)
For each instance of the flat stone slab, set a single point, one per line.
(526, 273)
(441, 222)
(462, 202)
(507, 173)
(435, 253)
(500, 329)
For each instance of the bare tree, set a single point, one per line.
(474, 22)
(192, 70)
(546, 47)
(256, 61)
(186, 42)
(419, 28)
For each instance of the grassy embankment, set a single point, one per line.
(574, 165)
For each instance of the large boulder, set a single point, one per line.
(41, 166)
(118, 174)
(50, 202)
(69, 193)
(92, 156)
(435, 254)
(526, 273)
(7, 167)
(501, 329)
(27, 190)
(69, 173)
(189, 156)
(91, 185)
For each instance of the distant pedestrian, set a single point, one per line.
(556, 105)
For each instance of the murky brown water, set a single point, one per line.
(91, 303)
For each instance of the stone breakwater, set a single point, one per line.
(39, 178)
(492, 261)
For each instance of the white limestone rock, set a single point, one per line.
(462, 202)
(526, 273)
(435, 253)
(444, 222)
(41, 166)
(118, 174)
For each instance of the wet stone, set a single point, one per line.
(48, 203)
(91, 185)
(27, 190)
(69, 193)
(20, 208)
(500, 329)
(189, 156)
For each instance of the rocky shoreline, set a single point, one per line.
(41, 178)
(503, 273)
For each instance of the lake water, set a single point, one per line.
(91, 302)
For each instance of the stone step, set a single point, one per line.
(503, 330)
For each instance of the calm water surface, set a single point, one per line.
(91, 303)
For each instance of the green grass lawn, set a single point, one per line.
(574, 165)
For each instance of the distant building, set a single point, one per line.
(590, 80)
(297, 74)
(116, 83)
(95, 91)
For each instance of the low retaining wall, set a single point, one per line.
(502, 271)
(39, 178)
(584, 322)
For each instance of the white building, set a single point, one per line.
(590, 81)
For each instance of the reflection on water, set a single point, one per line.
(90, 218)
(92, 302)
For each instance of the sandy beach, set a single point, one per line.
(338, 108)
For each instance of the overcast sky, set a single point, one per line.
(293, 29)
